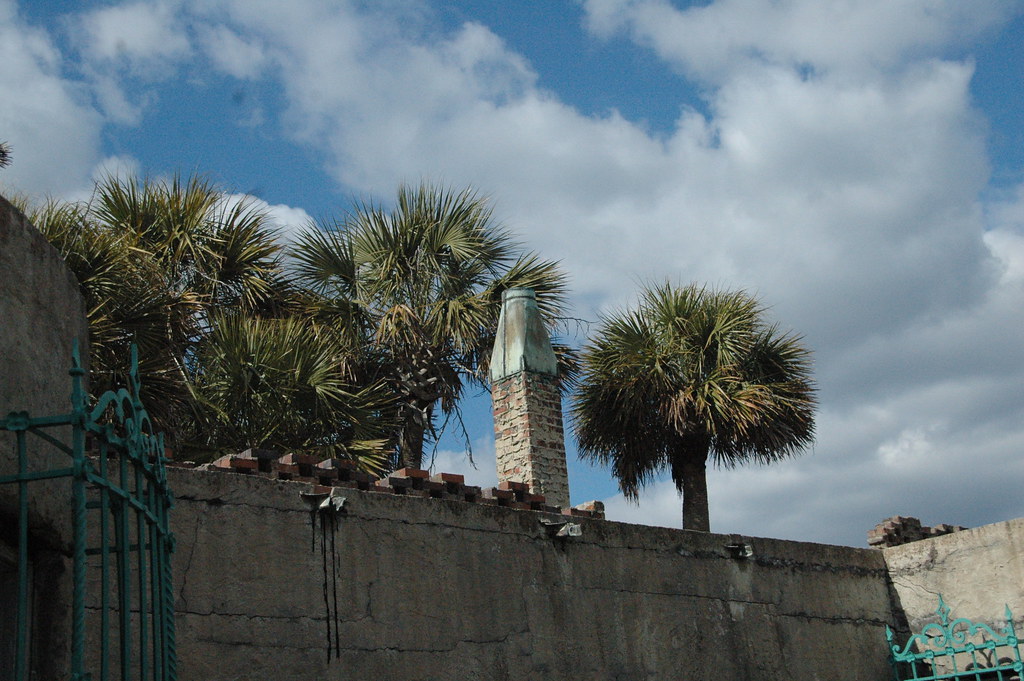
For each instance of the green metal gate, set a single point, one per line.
(957, 649)
(119, 502)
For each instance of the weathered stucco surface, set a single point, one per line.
(977, 571)
(41, 313)
(441, 589)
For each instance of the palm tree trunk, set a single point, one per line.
(410, 454)
(695, 497)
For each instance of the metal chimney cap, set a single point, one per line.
(510, 293)
(521, 341)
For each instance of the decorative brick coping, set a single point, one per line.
(327, 473)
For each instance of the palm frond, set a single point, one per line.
(323, 257)
(244, 256)
(285, 384)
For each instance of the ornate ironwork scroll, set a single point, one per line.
(957, 649)
(119, 504)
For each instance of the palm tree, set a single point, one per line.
(126, 301)
(154, 260)
(421, 287)
(692, 375)
(229, 357)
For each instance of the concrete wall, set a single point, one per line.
(421, 588)
(41, 312)
(977, 571)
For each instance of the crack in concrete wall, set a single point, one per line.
(977, 571)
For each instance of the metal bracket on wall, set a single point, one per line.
(320, 501)
(561, 529)
(740, 550)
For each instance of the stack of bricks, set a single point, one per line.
(323, 474)
(529, 438)
(899, 530)
(517, 495)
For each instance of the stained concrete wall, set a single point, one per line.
(421, 588)
(41, 313)
(977, 571)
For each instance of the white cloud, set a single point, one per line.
(114, 102)
(231, 53)
(873, 179)
(480, 471)
(910, 450)
(711, 41)
(1006, 236)
(124, 49)
(659, 505)
(116, 166)
(47, 119)
(1009, 247)
(288, 220)
(141, 35)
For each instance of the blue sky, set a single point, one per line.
(860, 166)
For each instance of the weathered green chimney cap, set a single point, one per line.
(522, 342)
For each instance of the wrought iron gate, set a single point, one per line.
(957, 649)
(119, 503)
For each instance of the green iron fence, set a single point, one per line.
(119, 502)
(957, 649)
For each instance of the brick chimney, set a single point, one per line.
(527, 405)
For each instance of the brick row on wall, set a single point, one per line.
(324, 474)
